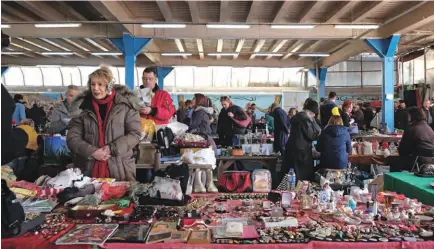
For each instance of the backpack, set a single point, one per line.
(12, 212)
(165, 138)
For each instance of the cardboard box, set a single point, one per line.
(379, 181)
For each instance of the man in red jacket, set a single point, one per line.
(161, 109)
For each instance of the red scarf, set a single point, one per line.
(100, 168)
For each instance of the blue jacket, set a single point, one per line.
(334, 143)
(19, 113)
(326, 112)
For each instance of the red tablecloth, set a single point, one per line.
(310, 245)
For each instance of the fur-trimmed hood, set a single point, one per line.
(123, 96)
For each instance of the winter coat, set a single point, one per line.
(298, 153)
(122, 133)
(334, 143)
(417, 140)
(368, 114)
(181, 115)
(359, 118)
(162, 107)
(429, 116)
(60, 113)
(401, 119)
(226, 126)
(326, 111)
(19, 113)
(345, 118)
(281, 129)
(201, 120)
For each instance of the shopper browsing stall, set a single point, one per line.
(161, 108)
(326, 109)
(304, 130)
(281, 128)
(202, 115)
(105, 128)
(347, 107)
(60, 117)
(334, 143)
(227, 126)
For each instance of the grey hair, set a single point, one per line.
(72, 87)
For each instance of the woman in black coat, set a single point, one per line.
(226, 127)
(298, 153)
(202, 115)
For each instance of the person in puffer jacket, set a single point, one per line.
(202, 115)
(334, 143)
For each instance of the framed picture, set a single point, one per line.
(200, 237)
(159, 237)
(179, 236)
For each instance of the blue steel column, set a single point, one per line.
(322, 79)
(130, 47)
(4, 69)
(162, 73)
(385, 49)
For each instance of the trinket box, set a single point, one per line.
(280, 221)
(200, 237)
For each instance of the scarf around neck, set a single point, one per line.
(100, 168)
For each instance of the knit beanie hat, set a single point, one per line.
(312, 106)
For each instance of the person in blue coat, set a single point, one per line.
(334, 143)
(281, 128)
(20, 110)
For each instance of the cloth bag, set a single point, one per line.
(235, 182)
(243, 123)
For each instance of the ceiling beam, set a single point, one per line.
(219, 47)
(327, 32)
(69, 61)
(71, 11)
(115, 11)
(165, 10)
(292, 49)
(418, 16)
(194, 11)
(181, 49)
(413, 41)
(280, 15)
(224, 11)
(253, 12)
(335, 13)
(43, 10)
(360, 16)
(200, 48)
(239, 47)
(309, 10)
(63, 46)
(276, 47)
(152, 51)
(257, 48)
(173, 61)
(16, 13)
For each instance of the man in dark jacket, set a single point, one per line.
(298, 153)
(401, 116)
(326, 109)
(281, 128)
(429, 113)
(417, 141)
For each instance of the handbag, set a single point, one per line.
(12, 212)
(243, 123)
(177, 172)
(166, 188)
(235, 181)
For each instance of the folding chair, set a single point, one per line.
(415, 164)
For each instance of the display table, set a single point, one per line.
(366, 160)
(411, 186)
(310, 245)
(380, 138)
(224, 162)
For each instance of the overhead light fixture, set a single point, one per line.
(268, 54)
(58, 25)
(313, 54)
(12, 53)
(58, 53)
(292, 26)
(106, 53)
(176, 54)
(228, 26)
(356, 26)
(5, 26)
(164, 25)
(222, 54)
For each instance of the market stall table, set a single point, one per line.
(411, 186)
(224, 162)
(380, 138)
(367, 159)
